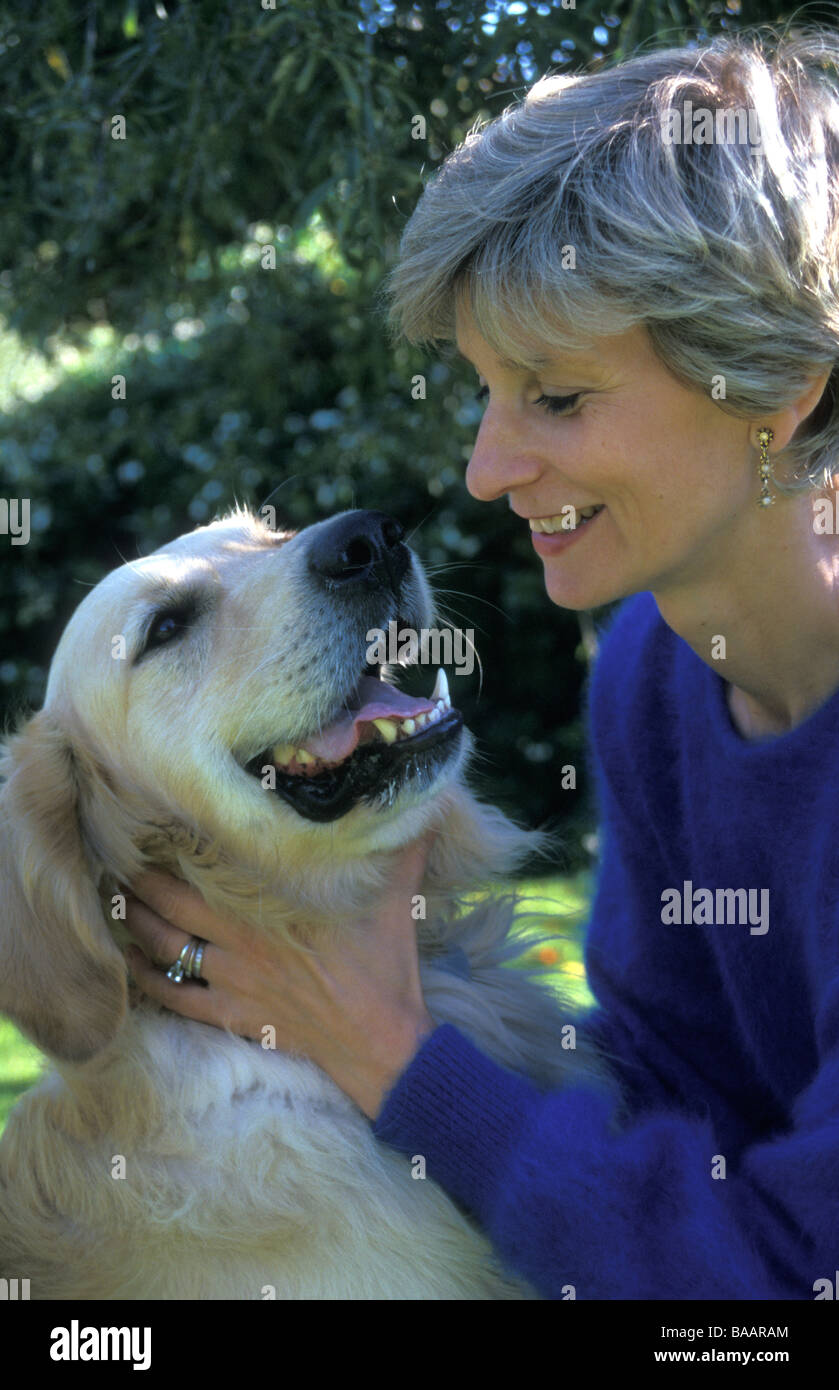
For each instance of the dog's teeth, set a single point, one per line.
(304, 757)
(386, 728)
(408, 726)
(441, 686)
(420, 720)
(434, 715)
(283, 753)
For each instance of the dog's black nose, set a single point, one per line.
(361, 550)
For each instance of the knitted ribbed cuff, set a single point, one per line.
(461, 1112)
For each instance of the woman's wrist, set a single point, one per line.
(370, 1084)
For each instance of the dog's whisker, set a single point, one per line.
(414, 529)
(140, 556)
(463, 594)
(446, 622)
(437, 567)
(275, 490)
(450, 622)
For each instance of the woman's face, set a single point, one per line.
(675, 477)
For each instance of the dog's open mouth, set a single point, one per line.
(380, 740)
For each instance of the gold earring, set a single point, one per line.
(765, 436)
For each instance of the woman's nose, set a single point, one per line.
(498, 463)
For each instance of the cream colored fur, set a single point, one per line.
(248, 1174)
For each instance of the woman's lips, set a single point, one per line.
(547, 545)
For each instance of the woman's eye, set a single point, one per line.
(555, 405)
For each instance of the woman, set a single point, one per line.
(641, 264)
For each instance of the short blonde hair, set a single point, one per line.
(727, 252)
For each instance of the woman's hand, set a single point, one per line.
(356, 1008)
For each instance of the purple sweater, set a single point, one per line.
(719, 1013)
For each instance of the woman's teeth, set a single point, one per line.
(547, 525)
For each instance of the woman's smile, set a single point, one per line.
(551, 535)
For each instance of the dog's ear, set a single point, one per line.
(62, 979)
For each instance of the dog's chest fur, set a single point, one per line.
(229, 1172)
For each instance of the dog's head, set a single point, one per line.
(214, 708)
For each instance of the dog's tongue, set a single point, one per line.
(378, 701)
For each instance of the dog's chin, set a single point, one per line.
(375, 774)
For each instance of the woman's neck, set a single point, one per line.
(766, 617)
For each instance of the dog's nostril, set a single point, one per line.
(392, 532)
(361, 550)
(358, 555)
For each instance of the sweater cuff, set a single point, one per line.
(461, 1112)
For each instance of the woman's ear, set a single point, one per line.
(62, 979)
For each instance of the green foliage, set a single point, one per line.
(235, 114)
(288, 128)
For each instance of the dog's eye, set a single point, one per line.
(166, 626)
(162, 629)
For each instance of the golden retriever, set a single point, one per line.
(163, 1158)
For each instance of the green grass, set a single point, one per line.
(555, 911)
(555, 908)
(20, 1066)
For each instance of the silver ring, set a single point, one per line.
(197, 959)
(188, 964)
(175, 973)
(190, 956)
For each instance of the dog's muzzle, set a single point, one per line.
(381, 740)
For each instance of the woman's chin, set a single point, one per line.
(581, 592)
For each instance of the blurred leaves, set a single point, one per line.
(235, 113)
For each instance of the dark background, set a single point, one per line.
(291, 128)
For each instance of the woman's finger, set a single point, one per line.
(161, 942)
(188, 999)
(181, 905)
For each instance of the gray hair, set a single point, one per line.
(727, 251)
